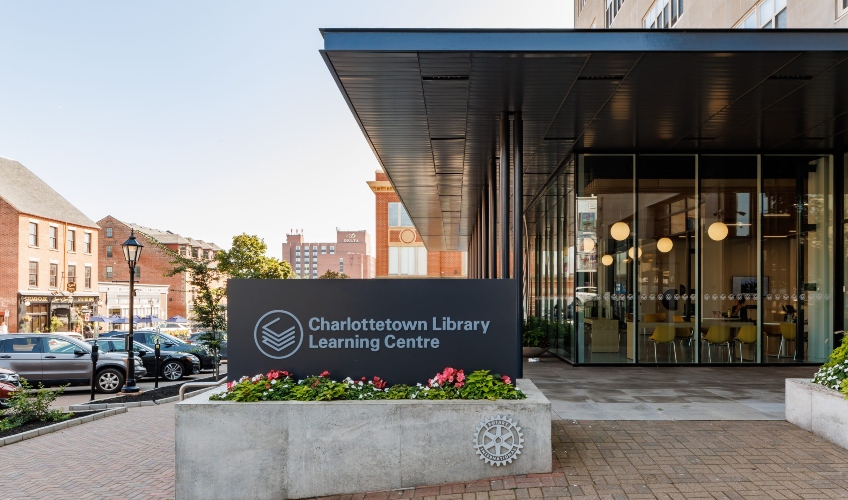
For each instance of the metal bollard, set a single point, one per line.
(95, 355)
(156, 353)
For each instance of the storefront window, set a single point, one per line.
(665, 258)
(730, 284)
(604, 254)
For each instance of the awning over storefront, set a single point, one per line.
(429, 102)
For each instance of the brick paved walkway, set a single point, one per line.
(593, 459)
(130, 455)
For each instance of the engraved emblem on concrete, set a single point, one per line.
(498, 440)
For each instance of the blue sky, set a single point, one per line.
(207, 118)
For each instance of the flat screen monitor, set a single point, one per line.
(748, 284)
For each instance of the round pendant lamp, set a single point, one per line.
(717, 231)
(588, 244)
(665, 245)
(620, 231)
(630, 252)
(606, 260)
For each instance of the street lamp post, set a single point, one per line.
(132, 251)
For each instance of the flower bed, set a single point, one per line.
(834, 373)
(449, 384)
(326, 440)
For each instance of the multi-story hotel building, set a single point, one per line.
(150, 272)
(698, 14)
(350, 254)
(48, 255)
(400, 248)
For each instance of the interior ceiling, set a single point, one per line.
(431, 116)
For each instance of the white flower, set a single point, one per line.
(274, 382)
(360, 382)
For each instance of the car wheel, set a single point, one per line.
(109, 381)
(172, 370)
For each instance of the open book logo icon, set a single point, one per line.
(278, 334)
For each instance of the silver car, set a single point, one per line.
(57, 359)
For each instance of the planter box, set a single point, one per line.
(307, 449)
(816, 408)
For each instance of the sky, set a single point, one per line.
(207, 118)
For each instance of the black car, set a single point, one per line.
(195, 338)
(167, 343)
(172, 365)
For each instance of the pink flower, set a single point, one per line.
(459, 385)
(506, 380)
(324, 374)
(460, 377)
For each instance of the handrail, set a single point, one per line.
(200, 384)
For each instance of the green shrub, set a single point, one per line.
(27, 406)
(834, 373)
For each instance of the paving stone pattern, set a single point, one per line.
(104, 459)
(665, 459)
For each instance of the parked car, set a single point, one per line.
(174, 329)
(194, 338)
(9, 383)
(58, 359)
(167, 343)
(172, 365)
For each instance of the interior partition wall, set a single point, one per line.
(690, 259)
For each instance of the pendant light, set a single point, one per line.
(620, 231)
(665, 245)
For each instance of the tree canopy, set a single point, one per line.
(247, 259)
(333, 275)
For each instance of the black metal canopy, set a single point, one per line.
(429, 101)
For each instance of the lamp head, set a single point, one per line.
(132, 249)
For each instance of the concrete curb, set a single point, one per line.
(59, 426)
(98, 406)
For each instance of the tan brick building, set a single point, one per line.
(48, 254)
(699, 14)
(154, 263)
(350, 254)
(400, 249)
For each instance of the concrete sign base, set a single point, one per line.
(818, 409)
(275, 450)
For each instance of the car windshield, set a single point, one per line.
(164, 337)
(115, 345)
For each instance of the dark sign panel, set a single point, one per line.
(403, 331)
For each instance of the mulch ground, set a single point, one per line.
(152, 395)
(37, 425)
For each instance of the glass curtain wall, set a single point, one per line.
(798, 256)
(666, 258)
(730, 283)
(604, 256)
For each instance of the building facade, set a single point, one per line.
(155, 262)
(710, 14)
(400, 249)
(660, 196)
(350, 254)
(48, 255)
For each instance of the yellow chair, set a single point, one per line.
(664, 334)
(747, 335)
(651, 318)
(787, 333)
(770, 330)
(717, 335)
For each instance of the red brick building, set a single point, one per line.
(350, 254)
(48, 254)
(151, 269)
(399, 248)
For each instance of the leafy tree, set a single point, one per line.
(247, 259)
(208, 309)
(332, 275)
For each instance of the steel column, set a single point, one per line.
(492, 236)
(484, 234)
(518, 228)
(503, 197)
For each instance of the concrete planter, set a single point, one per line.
(816, 408)
(532, 352)
(306, 449)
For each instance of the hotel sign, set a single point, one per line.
(403, 331)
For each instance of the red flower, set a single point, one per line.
(506, 380)
(459, 385)
(285, 374)
(324, 374)
(379, 383)
(460, 377)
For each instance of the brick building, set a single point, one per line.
(399, 248)
(154, 263)
(350, 254)
(48, 254)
